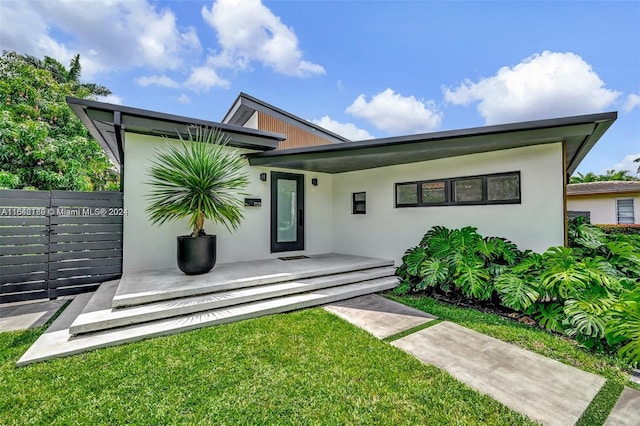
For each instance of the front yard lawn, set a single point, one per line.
(306, 367)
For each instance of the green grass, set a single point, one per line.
(539, 341)
(307, 367)
(412, 330)
(599, 409)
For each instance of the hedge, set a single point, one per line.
(621, 229)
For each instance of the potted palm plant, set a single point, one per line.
(198, 178)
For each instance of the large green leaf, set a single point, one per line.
(529, 264)
(586, 319)
(562, 274)
(434, 272)
(435, 233)
(517, 292)
(623, 326)
(551, 316)
(625, 257)
(473, 279)
(439, 242)
(413, 259)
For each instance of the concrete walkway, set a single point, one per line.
(28, 315)
(543, 389)
(627, 410)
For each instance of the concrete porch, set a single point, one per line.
(163, 302)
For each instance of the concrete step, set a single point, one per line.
(59, 342)
(99, 315)
(137, 288)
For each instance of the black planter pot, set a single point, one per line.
(196, 255)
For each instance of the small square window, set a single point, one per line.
(467, 190)
(406, 194)
(434, 192)
(624, 210)
(503, 188)
(359, 203)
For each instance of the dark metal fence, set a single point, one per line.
(56, 243)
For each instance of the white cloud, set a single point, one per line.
(348, 130)
(111, 99)
(395, 113)
(184, 99)
(633, 101)
(248, 31)
(158, 80)
(202, 79)
(114, 34)
(627, 163)
(542, 86)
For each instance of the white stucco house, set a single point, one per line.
(325, 218)
(607, 203)
(368, 198)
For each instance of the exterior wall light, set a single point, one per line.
(263, 177)
(314, 181)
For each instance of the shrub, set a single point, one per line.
(589, 291)
(620, 229)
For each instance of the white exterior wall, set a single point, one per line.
(148, 246)
(386, 232)
(603, 208)
(252, 122)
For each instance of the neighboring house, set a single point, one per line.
(370, 198)
(610, 202)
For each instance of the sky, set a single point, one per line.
(362, 69)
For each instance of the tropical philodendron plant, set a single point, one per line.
(197, 178)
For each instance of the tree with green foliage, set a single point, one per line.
(610, 175)
(43, 145)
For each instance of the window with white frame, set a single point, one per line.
(624, 211)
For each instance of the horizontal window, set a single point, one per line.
(501, 188)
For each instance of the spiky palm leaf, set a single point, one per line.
(517, 292)
(198, 178)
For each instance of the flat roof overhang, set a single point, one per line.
(108, 123)
(580, 133)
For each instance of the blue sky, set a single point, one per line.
(360, 68)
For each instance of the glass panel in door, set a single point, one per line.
(287, 211)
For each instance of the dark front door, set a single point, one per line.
(287, 212)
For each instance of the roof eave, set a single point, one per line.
(99, 118)
(579, 130)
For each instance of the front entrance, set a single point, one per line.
(287, 212)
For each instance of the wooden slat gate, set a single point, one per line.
(56, 243)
